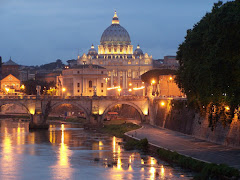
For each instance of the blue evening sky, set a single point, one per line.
(37, 32)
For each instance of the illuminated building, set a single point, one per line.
(82, 80)
(10, 84)
(115, 53)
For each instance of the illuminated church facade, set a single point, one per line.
(123, 65)
(115, 53)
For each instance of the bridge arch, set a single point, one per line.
(18, 104)
(122, 103)
(73, 104)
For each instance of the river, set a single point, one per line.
(66, 151)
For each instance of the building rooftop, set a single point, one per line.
(10, 63)
(86, 66)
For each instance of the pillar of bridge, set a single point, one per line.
(37, 121)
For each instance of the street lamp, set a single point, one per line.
(152, 83)
(63, 90)
(119, 90)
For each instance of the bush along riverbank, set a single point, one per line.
(204, 170)
(118, 130)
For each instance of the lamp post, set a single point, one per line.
(63, 90)
(119, 90)
(152, 84)
(170, 80)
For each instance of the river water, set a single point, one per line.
(66, 151)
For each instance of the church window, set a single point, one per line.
(78, 72)
(78, 91)
(102, 85)
(115, 49)
(90, 84)
(78, 84)
(129, 73)
(101, 90)
(137, 62)
(129, 62)
(101, 62)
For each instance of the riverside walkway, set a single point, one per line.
(188, 145)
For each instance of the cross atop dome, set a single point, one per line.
(115, 18)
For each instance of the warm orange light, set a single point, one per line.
(63, 89)
(130, 90)
(227, 108)
(22, 87)
(170, 78)
(153, 81)
(119, 89)
(162, 103)
(7, 89)
(130, 84)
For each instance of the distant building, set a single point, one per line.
(83, 80)
(123, 64)
(167, 86)
(169, 62)
(46, 75)
(10, 67)
(27, 73)
(10, 85)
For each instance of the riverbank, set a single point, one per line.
(118, 130)
(182, 150)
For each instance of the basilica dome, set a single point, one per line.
(92, 51)
(115, 34)
(138, 51)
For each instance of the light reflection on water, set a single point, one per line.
(68, 152)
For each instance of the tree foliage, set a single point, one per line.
(30, 86)
(210, 57)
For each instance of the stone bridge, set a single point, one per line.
(95, 108)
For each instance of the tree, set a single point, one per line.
(210, 57)
(30, 86)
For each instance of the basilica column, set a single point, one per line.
(111, 78)
(124, 80)
(119, 84)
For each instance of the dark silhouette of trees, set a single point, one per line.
(210, 57)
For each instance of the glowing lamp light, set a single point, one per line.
(32, 111)
(170, 78)
(130, 84)
(119, 89)
(145, 112)
(153, 81)
(227, 108)
(162, 103)
(22, 87)
(63, 89)
(100, 111)
(130, 90)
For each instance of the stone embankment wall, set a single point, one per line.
(176, 115)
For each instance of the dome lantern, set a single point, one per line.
(115, 19)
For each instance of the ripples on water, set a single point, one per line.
(69, 152)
